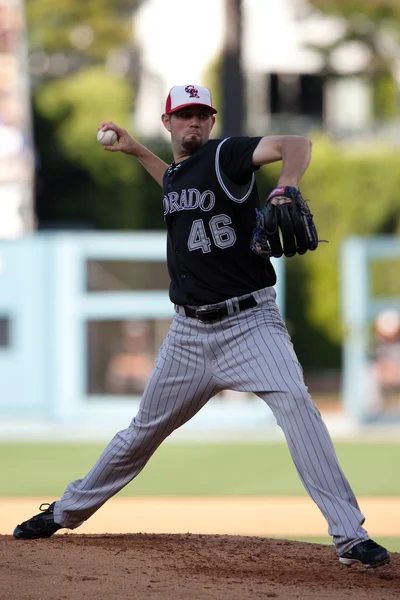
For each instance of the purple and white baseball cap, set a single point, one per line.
(182, 96)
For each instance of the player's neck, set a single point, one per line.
(178, 158)
(180, 154)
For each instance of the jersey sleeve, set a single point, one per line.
(235, 159)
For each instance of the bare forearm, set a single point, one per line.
(296, 156)
(152, 163)
(294, 151)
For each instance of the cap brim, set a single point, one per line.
(210, 108)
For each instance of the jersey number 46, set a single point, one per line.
(222, 235)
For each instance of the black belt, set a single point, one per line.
(206, 315)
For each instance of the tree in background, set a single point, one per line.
(84, 68)
(372, 24)
(69, 34)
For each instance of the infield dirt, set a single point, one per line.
(183, 567)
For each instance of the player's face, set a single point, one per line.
(189, 128)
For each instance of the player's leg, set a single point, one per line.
(181, 383)
(316, 462)
(253, 352)
(308, 439)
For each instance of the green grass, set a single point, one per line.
(196, 469)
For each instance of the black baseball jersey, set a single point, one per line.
(210, 202)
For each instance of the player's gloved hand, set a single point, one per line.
(284, 226)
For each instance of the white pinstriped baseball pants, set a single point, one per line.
(249, 351)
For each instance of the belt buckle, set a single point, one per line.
(205, 311)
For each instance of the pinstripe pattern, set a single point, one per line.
(246, 351)
(181, 383)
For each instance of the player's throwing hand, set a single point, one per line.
(125, 142)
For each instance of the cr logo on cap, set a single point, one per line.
(191, 90)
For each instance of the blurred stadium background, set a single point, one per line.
(83, 280)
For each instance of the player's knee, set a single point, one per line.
(296, 402)
(301, 403)
(145, 433)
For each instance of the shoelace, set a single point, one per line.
(48, 509)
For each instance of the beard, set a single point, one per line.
(192, 143)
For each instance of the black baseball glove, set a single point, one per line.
(284, 226)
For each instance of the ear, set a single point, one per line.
(166, 122)
(212, 122)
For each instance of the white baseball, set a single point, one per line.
(107, 138)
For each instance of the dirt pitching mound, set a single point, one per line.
(183, 567)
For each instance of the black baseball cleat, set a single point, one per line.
(39, 526)
(368, 553)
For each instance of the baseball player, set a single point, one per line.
(227, 332)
